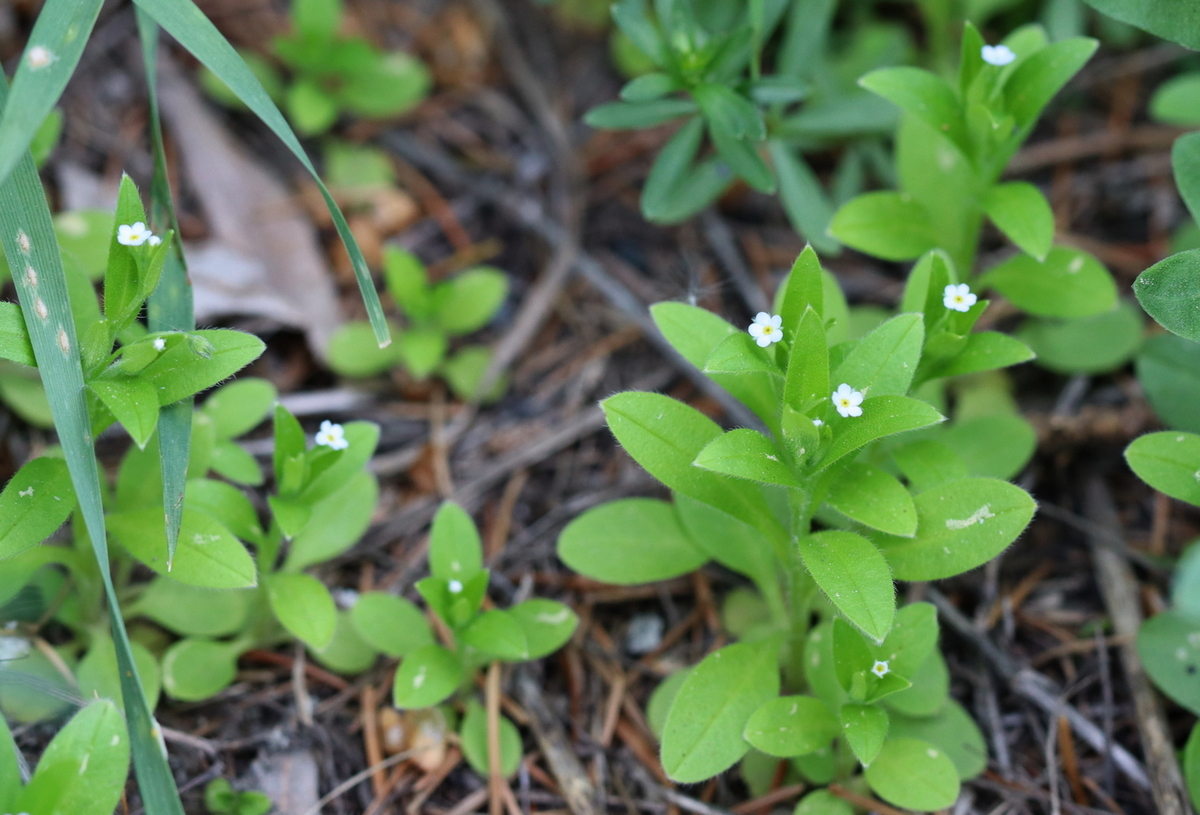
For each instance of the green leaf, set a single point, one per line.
(822, 802)
(1169, 646)
(661, 699)
(802, 289)
(426, 677)
(1185, 584)
(995, 446)
(455, 551)
(390, 624)
(1094, 344)
(1174, 101)
(865, 728)
(547, 625)
(960, 525)
(985, 351)
(608, 543)
(180, 372)
(1022, 213)
(703, 732)
(100, 678)
(474, 738)
(393, 83)
(468, 301)
(1185, 160)
(34, 503)
(927, 463)
(1042, 75)
(354, 352)
(884, 361)
(924, 95)
(743, 159)
(133, 403)
(496, 634)
(1069, 283)
(728, 111)
(14, 338)
(1169, 462)
(346, 653)
(239, 407)
(665, 436)
(914, 775)
(319, 19)
(636, 115)
(749, 373)
(421, 350)
(1169, 373)
(196, 669)
(303, 606)
(188, 25)
(192, 611)
(1171, 19)
(745, 453)
(694, 332)
(208, 554)
(1169, 291)
(791, 726)
(873, 498)
(882, 416)
(1191, 766)
(84, 768)
(808, 363)
(676, 188)
(889, 225)
(804, 200)
(912, 638)
(855, 577)
(631, 17)
(338, 521)
(953, 731)
(732, 543)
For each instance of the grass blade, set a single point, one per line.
(170, 306)
(195, 32)
(55, 45)
(28, 240)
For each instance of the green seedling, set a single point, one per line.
(705, 70)
(82, 771)
(221, 799)
(854, 484)
(952, 146)
(431, 674)
(331, 74)
(435, 314)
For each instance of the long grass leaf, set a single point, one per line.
(170, 307)
(195, 32)
(29, 244)
(55, 45)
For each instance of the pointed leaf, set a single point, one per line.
(855, 577)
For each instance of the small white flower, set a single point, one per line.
(154, 240)
(133, 234)
(39, 57)
(817, 423)
(455, 587)
(160, 344)
(880, 668)
(958, 298)
(332, 436)
(997, 54)
(766, 329)
(847, 400)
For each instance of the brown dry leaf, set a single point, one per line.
(263, 257)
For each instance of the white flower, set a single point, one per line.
(455, 587)
(160, 344)
(332, 436)
(39, 57)
(880, 668)
(154, 240)
(997, 54)
(958, 298)
(847, 400)
(766, 329)
(817, 423)
(133, 234)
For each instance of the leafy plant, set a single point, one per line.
(331, 73)
(436, 313)
(455, 592)
(707, 70)
(954, 141)
(852, 486)
(221, 799)
(82, 771)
